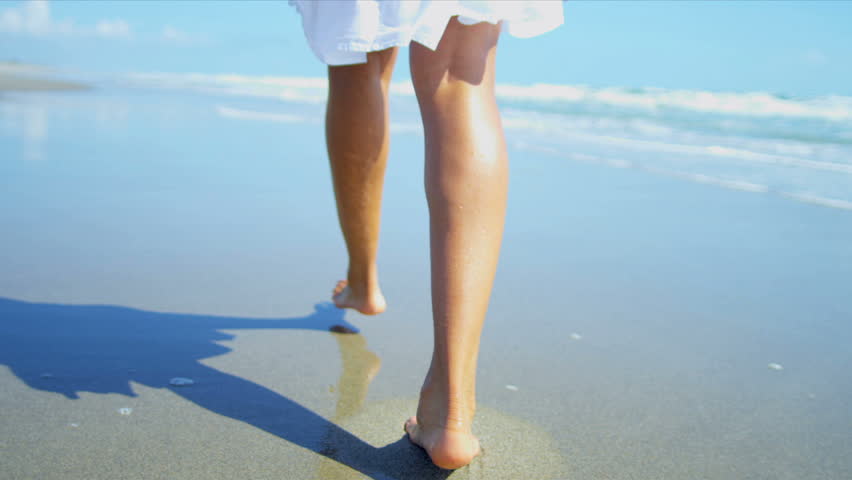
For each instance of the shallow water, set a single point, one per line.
(649, 281)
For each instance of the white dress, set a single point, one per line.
(341, 32)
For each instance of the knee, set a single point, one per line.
(376, 72)
(464, 58)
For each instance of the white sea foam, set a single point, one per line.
(818, 200)
(570, 131)
(242, 114)
(731, 184)
(313, 90)
(762, 104)
(406, 127)
(295, 89)
(746, 155)
(727, 183)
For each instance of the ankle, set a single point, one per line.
(363, 281)
(445, 408)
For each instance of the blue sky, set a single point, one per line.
(796, 48)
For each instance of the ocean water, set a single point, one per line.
(672, 300)
(797, 148)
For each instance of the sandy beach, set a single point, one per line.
(22, 77)
(641, 327)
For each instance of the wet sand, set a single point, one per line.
(641, 327)
(21, 77)
(118, 410)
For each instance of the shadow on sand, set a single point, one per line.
(101, 349)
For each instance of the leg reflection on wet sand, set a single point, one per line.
(359, 367)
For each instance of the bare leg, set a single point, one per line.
(466, 186)
(357, 139)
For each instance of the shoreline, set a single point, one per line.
(17, 83)
(24, 77)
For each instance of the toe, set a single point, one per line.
(410, 425)
(338, 289)
(414, 433)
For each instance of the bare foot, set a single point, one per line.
(449, 449)
(442, 428)
(368, 304)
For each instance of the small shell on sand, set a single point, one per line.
(125, 410)
(181, 382)
(512, 388)
(775, 366)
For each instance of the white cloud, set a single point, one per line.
(171, 34)
(33, 18)
(113, 28)
(814, 57)
(10, 21)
